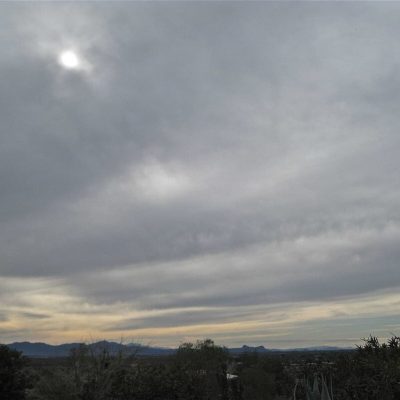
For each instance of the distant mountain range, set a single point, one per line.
(262, 349)
(63, 350)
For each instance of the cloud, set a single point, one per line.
(213, 157)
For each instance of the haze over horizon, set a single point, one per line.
(174, 171)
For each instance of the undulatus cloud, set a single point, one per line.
(224, 170)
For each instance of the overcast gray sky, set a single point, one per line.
(191, 170)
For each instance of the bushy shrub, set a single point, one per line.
(372, 372)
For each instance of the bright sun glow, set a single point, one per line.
(69, 59)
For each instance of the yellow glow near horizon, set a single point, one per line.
(40, 309)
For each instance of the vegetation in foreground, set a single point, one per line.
(204, 371)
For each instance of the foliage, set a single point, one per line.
(89, 376)
(205, 371)
(14, 379)
(205, 367)
(257, 384)
(373, 372)
(263, 377)
(196, 372)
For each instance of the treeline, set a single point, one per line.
(200, 371)
(204, 371)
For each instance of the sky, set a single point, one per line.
(176, 171)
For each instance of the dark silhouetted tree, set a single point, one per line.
(13, 379)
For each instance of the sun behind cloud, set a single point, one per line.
(69, 59)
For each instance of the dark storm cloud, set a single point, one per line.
(197, 149)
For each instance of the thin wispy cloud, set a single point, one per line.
(179, 170)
